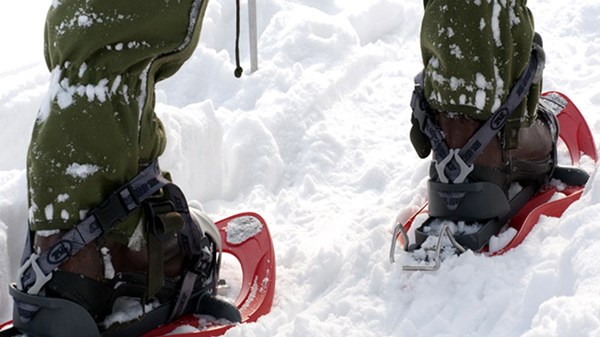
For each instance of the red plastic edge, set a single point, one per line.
(574, 130)
(257, 259)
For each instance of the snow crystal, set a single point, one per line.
(136, 44)
(499, 94)
(204, 322)
(84, 21)
(480, 98)
(64, 96)
(242, 228)
(497, 242)
(456, 83)
(437, 77)
(64, 214)
(82, 69)
(49, 212)
(115, 85)
(53, 89)
(514, 19)
(434, 62)
(143, 91)
(63, 92)
(98, 91)
(480, 95)
(47, 233)
(82, 171)
(126, 309)
(33, 208)
(558, 184)
(481, 81)
(62, 197)
(83, 214)
(457, 227)
(496, 23)
(254, 289)
(183, 329)
(109, 270)
(456, 51)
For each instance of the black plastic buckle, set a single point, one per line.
(116, 208)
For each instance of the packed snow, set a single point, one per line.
(242, 229)
(316, 141)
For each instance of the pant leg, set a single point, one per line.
(97, 125)
(473, 52)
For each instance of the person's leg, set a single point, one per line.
(98, 127)
(97, 130)
(479, 90)
(473, 53)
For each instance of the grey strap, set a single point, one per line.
(184, 295)
(492, 126)
(455, 164)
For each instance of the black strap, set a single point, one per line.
(37, 270)
(476, 241)
(120, 204)
(192, 242)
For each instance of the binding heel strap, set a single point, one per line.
(45, 303)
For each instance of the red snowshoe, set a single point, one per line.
(247, 238)
(579, 141)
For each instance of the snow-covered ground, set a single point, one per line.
(317, 142)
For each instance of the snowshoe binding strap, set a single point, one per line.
(36, 269)
(453, 194)
(41, 305)
(456, 164)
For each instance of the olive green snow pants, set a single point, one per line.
(97, 126)
(473, 52)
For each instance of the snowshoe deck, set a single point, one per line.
(578, 138)
(247, 238)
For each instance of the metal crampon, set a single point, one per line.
(445, 231)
